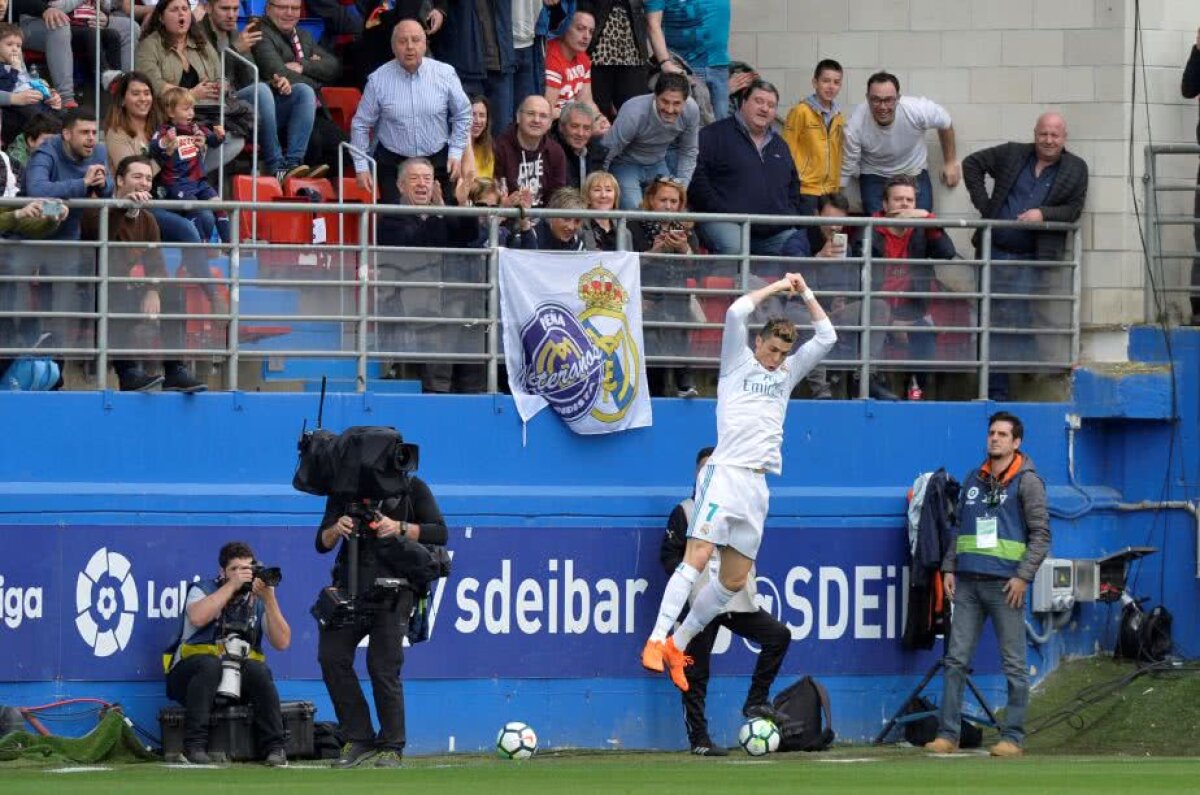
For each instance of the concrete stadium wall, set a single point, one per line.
(556, 578)
(996, 66)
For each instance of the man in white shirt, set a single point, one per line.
(885, 138)
(731, 491)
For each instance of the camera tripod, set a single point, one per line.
(899, 718)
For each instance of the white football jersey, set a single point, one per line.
(752, 401)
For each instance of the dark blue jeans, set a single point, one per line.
(870, 188)
(976, 599)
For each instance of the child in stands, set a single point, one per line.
(179, 146)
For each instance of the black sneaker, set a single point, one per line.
(767, 711)
(180, 380)
(353, 755)
(139, 381)
(277, 758)
(197, 756)
(388, 758)
(708, 749)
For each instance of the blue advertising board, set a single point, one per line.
(100, 602)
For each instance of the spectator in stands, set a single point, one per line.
(1034, 182)
(744, 166)
(833, 241)
(371, 22)
(619, 54)
(477, 41)
(58, 28)
(698, 32)
(560, 233)
(21, 98)
(486, 193)
(530, 164)
(602, 193)
(1190, 88)
(667, 194)
(741, 76)
(30, 222)
(481, 137)
(173, 52)
(529, 66)
(647, 128)
(157, 295)
(133, 117)
(39, 130)
(814, 133)
(908, 243)
(418, 187)
(287, 110)
(573, 132)
(885, 137)
(71, 166)
(178, 146)
(568, 67)
(289, 50)
(414, 106)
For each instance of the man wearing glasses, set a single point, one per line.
(289, 52)
(885, 137)
(1002, 537)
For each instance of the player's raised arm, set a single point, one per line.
(824, 337)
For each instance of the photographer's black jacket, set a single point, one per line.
(418, 507)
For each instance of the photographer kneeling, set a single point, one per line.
(224, 623)
(389, 534)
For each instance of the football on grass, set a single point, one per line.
(518, 741)
(758, 737)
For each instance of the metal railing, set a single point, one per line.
(1171, 228)
(376, 319)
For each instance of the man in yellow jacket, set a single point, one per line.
(813, 132)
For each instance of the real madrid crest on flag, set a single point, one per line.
(573, 337)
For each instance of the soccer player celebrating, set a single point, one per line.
(731, 491)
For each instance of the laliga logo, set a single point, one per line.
(104, 618)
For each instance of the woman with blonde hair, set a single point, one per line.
(602, 192)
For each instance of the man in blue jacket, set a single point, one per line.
(71, 165)
(1003, 537)
(745, 167)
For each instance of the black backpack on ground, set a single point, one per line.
(327, 740)
(809, 719)
(1144, 637)
(924, 730)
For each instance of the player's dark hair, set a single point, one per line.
(837, 199)
(899, 181)
(232, 551)
(76, 115)
(1018, 427)
(704, 453)
(883, 77)
(672, 82)
(123, 166)
(779, 327)
(828, 65)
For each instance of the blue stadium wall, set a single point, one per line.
(111, 503)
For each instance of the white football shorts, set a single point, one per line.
(731, 507)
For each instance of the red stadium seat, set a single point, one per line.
(341, 103)
(268, 190)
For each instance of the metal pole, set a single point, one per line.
(364, 275)
(864, 369)
(1151, 229)
(99, 71)
(493, 371)
(745, 230)
(253, 144)
(1076, 293)
(985, 314)
(235, 294)
(102, 305)
(341, 194)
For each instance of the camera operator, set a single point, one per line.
(386, 528)
(223, 618)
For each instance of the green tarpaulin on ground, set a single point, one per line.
(112, 740)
